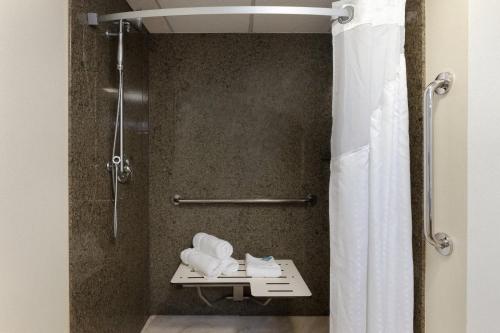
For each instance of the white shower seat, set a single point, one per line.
(290, 284)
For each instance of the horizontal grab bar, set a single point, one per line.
(308, 200)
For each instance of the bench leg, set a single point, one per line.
(238, 293)
(203, 298)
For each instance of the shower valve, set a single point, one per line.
(123, 176)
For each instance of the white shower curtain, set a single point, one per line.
(371, 274)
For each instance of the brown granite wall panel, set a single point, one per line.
(108, 279)
(415, 72)
(233, 115)
(240, 116)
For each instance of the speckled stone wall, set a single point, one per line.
(232, 116)
(108, 279)
(414, 48)
(240, 116)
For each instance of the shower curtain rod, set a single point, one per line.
(343, 14)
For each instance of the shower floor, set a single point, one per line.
(236, 324)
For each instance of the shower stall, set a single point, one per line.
(218, 118)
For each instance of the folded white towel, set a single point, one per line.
(229, 266)
(212, 245)
(207, 265)
(202, 263)
(262, 267)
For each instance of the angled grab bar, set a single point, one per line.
(441, 241)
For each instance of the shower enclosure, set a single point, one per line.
(222, 116)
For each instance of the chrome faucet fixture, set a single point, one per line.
(119, 167)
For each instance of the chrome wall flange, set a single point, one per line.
(447, 79)
(444, 243)
(176, 200)
(347, 19)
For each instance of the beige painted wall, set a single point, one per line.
(34, 167)
(483, 232)
(447, 50)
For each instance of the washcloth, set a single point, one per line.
(202, 263)
(262, 267)
(229, 266)
(212, 245)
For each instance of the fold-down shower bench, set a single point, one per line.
(290, 284)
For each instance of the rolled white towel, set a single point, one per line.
(262, 267)
(229, 266)
(212, 245)
(202, 263)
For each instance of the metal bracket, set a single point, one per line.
(92, 19)
(115, 30)
(346, 19)
(445, 244)
(238, 296)
(205, 299)
(447, 79)
(136, 23)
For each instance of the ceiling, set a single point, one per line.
(234, 23)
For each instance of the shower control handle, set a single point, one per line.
(125, 175)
